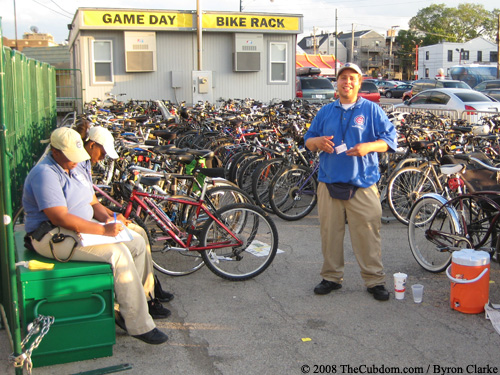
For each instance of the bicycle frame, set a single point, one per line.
(145, 201)
(456, 207)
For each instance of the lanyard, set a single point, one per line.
(348, 122)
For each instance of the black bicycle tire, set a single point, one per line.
(260, 183)
(207, 255)
(281, 208)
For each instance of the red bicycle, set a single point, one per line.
(236, 242)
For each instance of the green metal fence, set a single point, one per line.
(27, 116)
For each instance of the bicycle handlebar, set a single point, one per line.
(480, 162)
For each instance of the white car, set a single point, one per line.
(452, 99)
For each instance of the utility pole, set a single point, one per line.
(352, 43)
(336, 39)
(314, 40)
(199, 34)
(498, 48)
(393, 31)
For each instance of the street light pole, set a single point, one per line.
(390, 49)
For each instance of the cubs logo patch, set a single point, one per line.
(359, 120)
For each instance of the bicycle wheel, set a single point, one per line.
(261, 179)
(405, 187)
(168, 257)
(245, 172)
(259, 237)
(477, 216)
(221, 196)
(292, 193)
(433, 229)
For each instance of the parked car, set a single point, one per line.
(407, 95)
(314, 88)
(427, 84)
(398, 91)
(385, 85)
(368, 90)
(452, 99)
(491, 88)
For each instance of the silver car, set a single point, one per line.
(452, 99)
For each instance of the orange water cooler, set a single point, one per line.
(469, 273)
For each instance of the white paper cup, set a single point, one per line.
(400, 285)
(418, 292)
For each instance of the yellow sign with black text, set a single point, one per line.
(130, 19)
(250, 22)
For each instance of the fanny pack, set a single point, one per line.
(341, 190)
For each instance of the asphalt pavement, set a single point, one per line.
(274, 324)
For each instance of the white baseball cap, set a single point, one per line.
(104, 137)
(349, 66)
(70, 143)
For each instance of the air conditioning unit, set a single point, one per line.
(140, 51)
(247, 52)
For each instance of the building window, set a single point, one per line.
(450, 55)
(355, 43)
(427, 55)
(426, 72)
(479, 56)
(102, 55)
(278, 62)
(465, 55)
(493, 56)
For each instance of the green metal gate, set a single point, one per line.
(27, 116)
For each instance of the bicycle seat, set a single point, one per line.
(449, 169)
(149, 181)
(183, 158)
(162, 149)
(165, 134)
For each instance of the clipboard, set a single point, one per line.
(87, 239)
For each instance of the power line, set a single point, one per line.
(55, 11)
(64, 10)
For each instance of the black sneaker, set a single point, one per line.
(325, 287)
(154, 337)
(379, 292)
(162, 295)
(157, 311)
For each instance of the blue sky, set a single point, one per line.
(52, 16)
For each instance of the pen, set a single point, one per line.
(114, 214)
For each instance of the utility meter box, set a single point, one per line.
(202, 86)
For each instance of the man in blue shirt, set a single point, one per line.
(59, 203)
(349, 133)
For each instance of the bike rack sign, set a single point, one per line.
(172, 20)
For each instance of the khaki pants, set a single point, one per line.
(363, 213)
(132, 271)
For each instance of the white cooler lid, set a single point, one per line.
(470, 257)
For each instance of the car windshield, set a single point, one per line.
(316, 84)
(457, 85)
(468, 97)
(369, 87)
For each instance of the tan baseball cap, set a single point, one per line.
(104, 137)
(70, 143)
(349, 66)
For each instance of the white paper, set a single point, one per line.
(87, 239)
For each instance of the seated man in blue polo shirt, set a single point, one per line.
(59, 203)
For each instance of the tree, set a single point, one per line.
(407, 40)
(468, 21)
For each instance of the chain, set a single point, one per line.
(24, 359)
